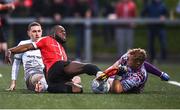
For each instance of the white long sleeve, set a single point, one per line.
(15, 69)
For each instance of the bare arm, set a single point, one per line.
(18, 49)
(21, 48)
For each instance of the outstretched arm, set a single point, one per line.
(155, 71)
(112, 70)
(18, 49)
(14, 74)
(21, 48)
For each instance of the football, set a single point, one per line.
(100, 86)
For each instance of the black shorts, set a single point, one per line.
(56, 73)
(2, 36)
(57, 79)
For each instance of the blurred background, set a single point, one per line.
(100, 30)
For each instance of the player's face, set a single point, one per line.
(133, 63)
(62, 34)
(35, 33)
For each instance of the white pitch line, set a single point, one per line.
(174, 83)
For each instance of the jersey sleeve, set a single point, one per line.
(123, 59)
(15, 69)
(19, 56)
(40, 43)
(152, 69)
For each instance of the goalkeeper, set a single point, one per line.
(129, 73)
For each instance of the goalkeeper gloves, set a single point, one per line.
(122, 70)
(164, 76)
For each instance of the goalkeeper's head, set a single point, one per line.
(59, 33)
(136, 57)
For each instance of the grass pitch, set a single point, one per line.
(157, 94)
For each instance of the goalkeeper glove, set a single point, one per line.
(122, 70)
(164, 76)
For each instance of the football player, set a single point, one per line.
(32, 63)
(129, 73)
(59, 69)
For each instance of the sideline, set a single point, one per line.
(174, 83)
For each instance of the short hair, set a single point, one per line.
(33, 24)
(138, 54)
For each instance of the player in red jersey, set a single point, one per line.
(59, 70)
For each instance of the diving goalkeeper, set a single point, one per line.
(129, 73)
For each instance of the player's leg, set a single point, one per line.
(129, 38)
(64, 87)
(60, 82)
(151, 39)
(120, 40)
(76, 79)
(116, 86)
(75, 68)
(163, 43)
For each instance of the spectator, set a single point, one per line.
(108, 12)
(3, 42)
(145, 2)
(19, 30)
(41, 9)
(156, 9)
(94, 6)
(125, 9)
(58, 9)
(71, 5)
(81, 10)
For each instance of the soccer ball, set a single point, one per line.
(100, 86)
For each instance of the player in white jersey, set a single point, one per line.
(32, 63)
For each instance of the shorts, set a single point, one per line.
(2, 36)
(58, 81)
(56, 73)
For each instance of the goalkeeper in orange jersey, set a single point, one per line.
(129, 73)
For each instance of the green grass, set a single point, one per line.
(157, 94)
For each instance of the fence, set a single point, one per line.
(97, 21)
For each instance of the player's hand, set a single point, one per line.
(12, 86)
(122, 70)
(8, 57)
(165, 76)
